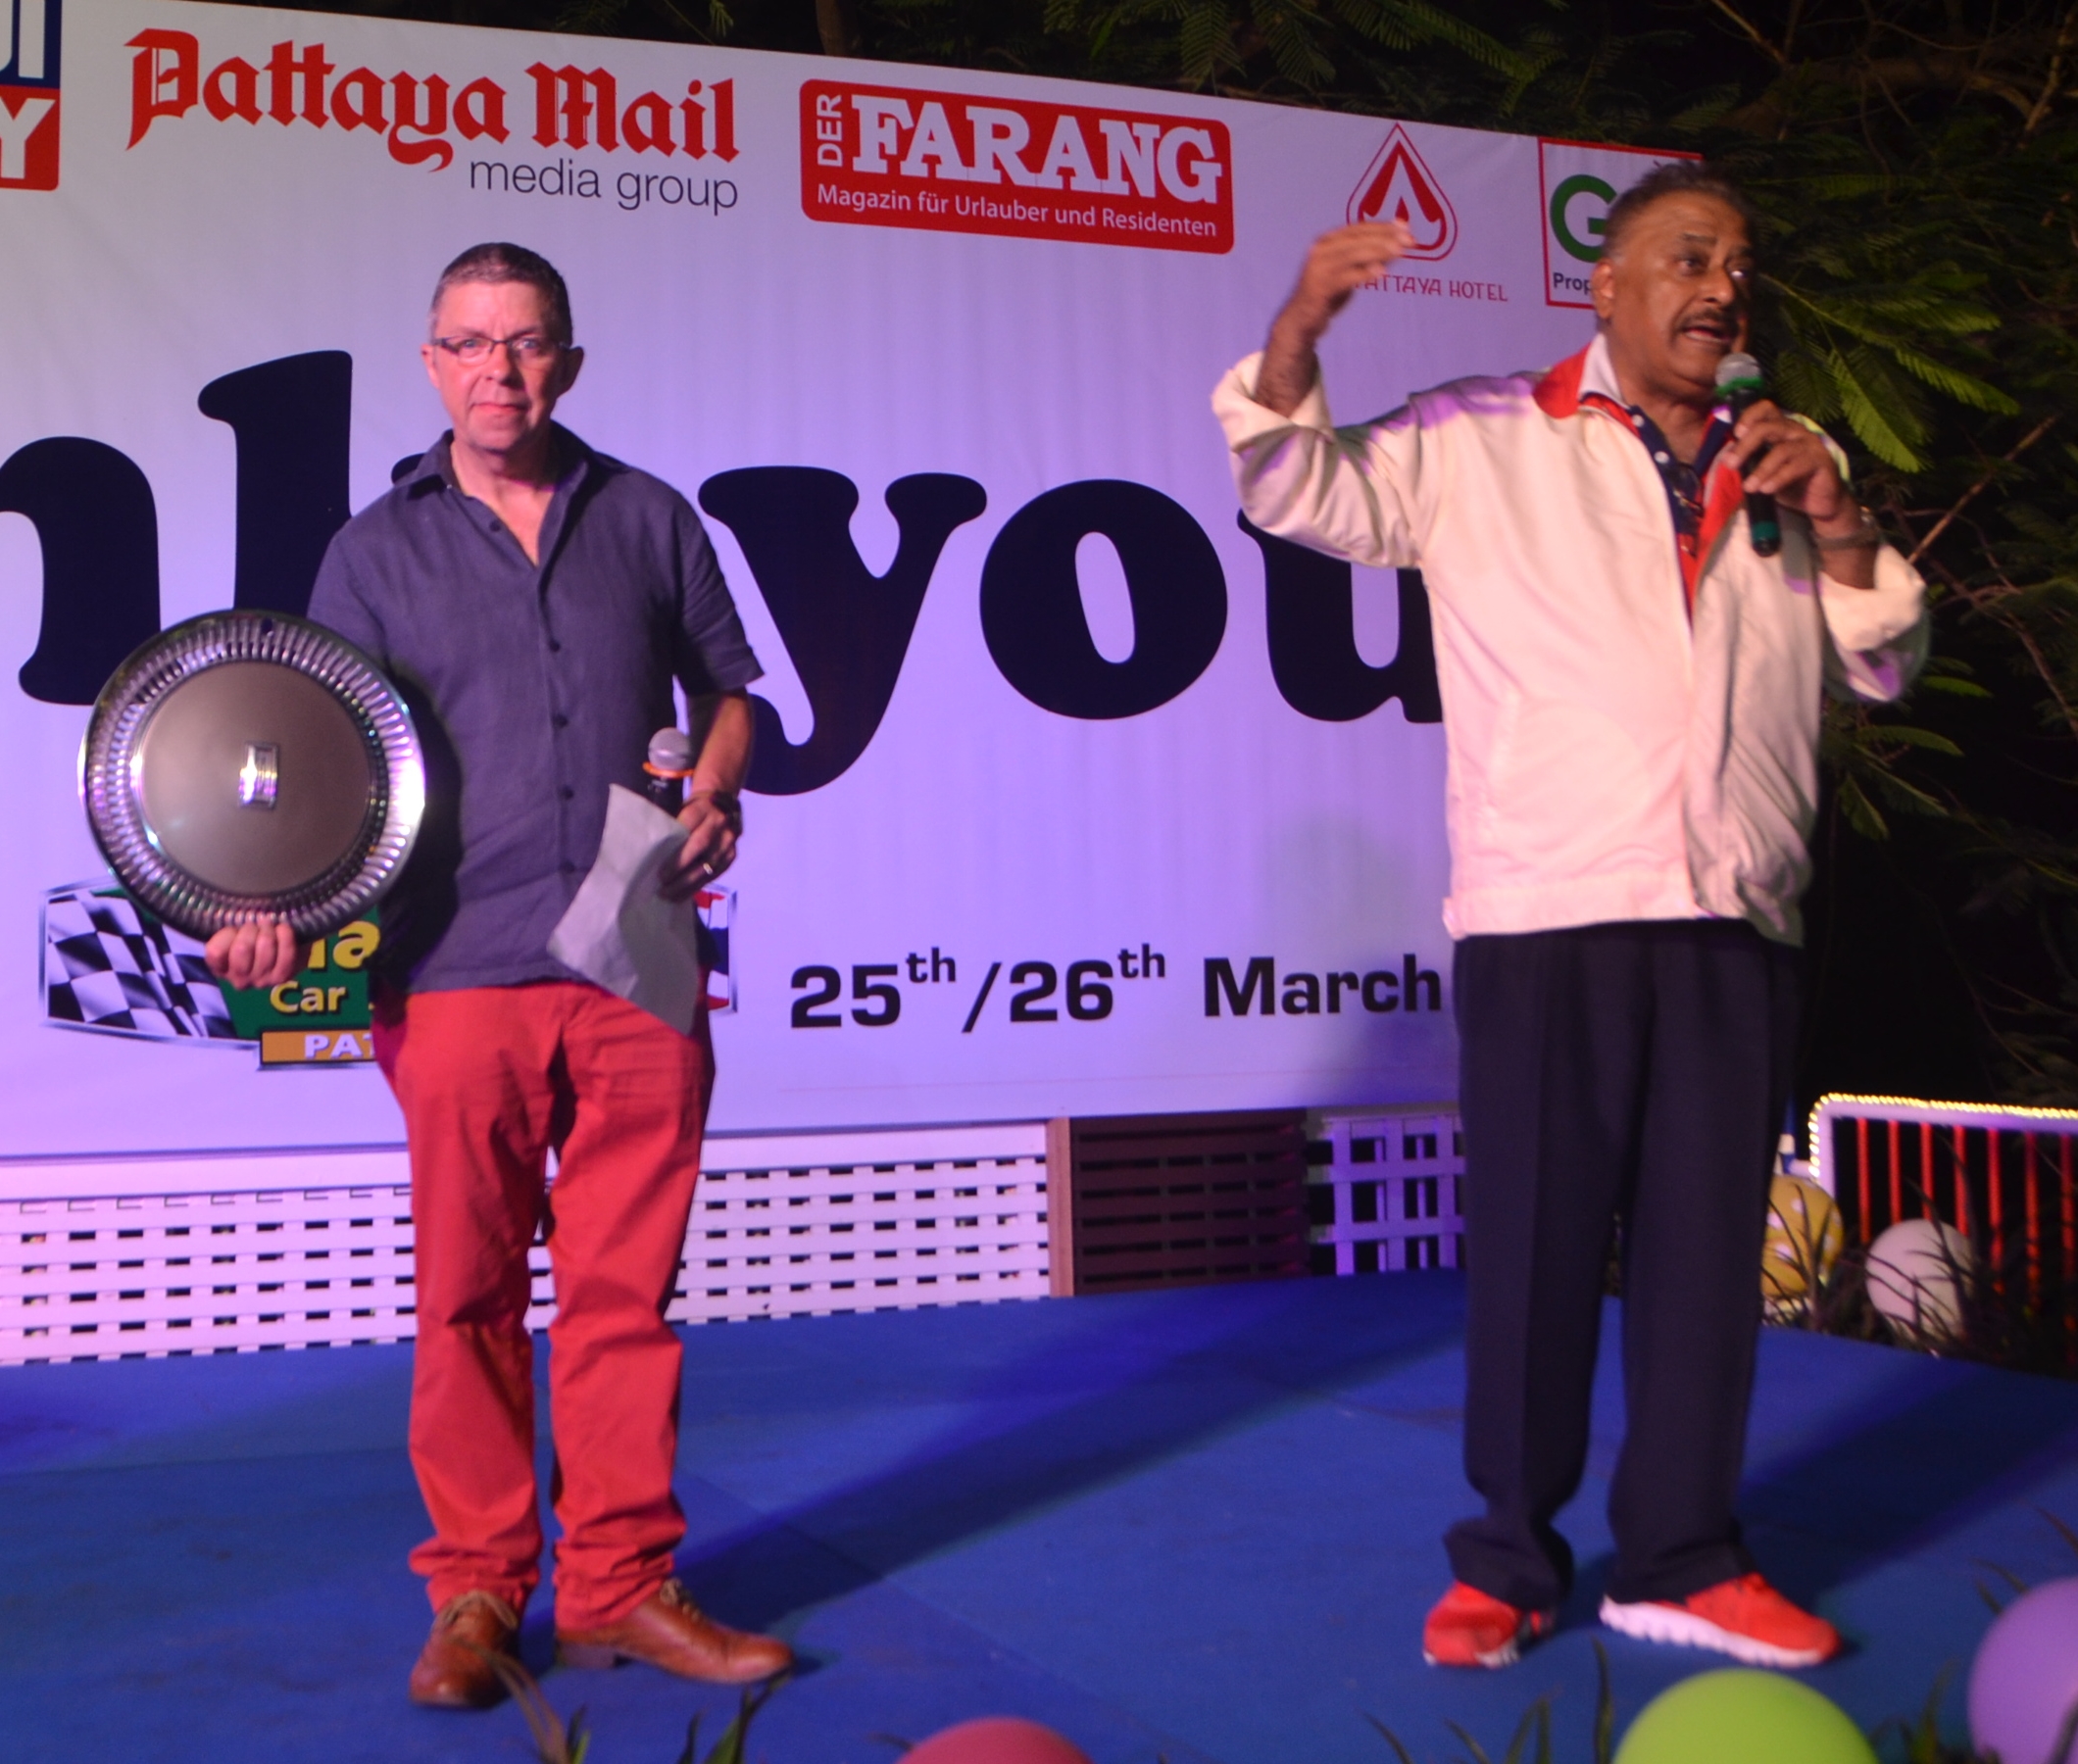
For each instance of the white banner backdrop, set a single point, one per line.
(1134, 816)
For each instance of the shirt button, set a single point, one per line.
(559, 721)
(555, 644)
(567, 793)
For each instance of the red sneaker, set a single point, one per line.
(1746, 1618)
(1472, 1628)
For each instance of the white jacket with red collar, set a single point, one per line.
(1611, 757)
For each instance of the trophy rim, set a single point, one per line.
(110, 750)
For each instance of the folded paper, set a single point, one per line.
(620, 932)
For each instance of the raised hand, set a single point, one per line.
(1338, 264)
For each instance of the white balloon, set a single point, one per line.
(1913, 1270)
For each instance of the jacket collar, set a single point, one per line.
(1589, 379)
(1591, 372)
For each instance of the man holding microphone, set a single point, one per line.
(1631, 698)
(535, 599)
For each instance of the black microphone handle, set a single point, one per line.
(1763, 525)
(1763, 522)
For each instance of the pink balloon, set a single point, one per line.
(2024, 1681)
(996, 1739)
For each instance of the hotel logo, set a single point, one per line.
(1397, 186)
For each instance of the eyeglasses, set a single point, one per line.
(526, 350)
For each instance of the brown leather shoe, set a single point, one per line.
(667, 1630)
(454, 1669)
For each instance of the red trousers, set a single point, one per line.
(490, 1079)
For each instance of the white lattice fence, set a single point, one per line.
(238, 1253)
(785, 1240)
(1390, 1193)
(93, 1278)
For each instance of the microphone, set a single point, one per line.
(669, 764)
(1740, 379)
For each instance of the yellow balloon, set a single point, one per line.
(1805, 1234)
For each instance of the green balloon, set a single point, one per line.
(1739, 1717)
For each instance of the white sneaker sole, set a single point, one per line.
(1650, 1621)
(1500, 1656)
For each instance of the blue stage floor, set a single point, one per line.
(1195, 1525)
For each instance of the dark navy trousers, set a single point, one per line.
(1632, 1073)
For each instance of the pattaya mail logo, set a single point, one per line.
(1397, 186)
(886, 156)
(418, 117)
(28, 94)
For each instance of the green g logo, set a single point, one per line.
(1582, 185)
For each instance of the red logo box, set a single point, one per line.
(950, 161)
(28, 137)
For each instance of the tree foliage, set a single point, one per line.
(1916, 166)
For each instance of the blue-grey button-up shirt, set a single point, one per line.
(533, 686)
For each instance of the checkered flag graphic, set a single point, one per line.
(110, 966)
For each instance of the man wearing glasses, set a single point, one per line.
(534, 601)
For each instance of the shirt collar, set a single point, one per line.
(430, 470)
(435, 467)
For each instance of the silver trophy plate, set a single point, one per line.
(248, 764)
